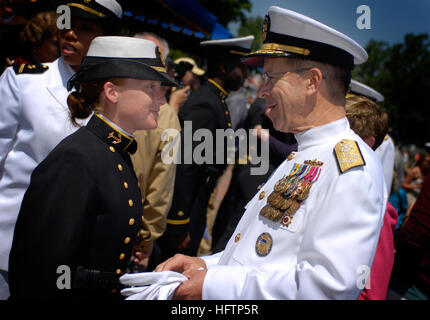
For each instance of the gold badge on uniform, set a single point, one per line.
(290, 191)
(262, 195)
(348, 155)
(116, 140)
(264, 243)
(266, 27)
(291, 156)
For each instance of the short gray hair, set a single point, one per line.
(165, 50)
(339, 78)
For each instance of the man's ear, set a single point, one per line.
(314, 80)
(111, 92)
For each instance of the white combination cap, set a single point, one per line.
(288, 33)
(358, 88)
(194, 68)
(95, 9)
(122, 57)
(235, 46)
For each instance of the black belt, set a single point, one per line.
(94, 279)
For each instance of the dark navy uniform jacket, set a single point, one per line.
(206, 108)
(82, 209)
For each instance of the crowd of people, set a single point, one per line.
(89, 114)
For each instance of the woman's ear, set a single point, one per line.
(111, 92)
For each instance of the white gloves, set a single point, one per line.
(151, 285)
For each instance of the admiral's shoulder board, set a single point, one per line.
(348, 155)
(29, 68)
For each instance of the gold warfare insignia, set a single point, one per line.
(266, 27)
(291, 156)
(348, 155)
(161, 57)
(314, 163)
(290, 191)
(116, 140)
(264, 243)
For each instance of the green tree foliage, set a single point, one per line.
(252, 26)
(401, 72)
(227, 10)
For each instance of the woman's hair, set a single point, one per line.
(81, 103)
(367, 119)
(40, 27)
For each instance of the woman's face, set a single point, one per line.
(75, 42)
(138, 104)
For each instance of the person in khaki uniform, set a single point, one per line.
(156, 180)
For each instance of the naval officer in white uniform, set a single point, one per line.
(386, 150)
(34, 116)
(311, 231)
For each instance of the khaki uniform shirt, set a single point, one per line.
(156, 179)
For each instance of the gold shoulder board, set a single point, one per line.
(348, 155)
(24, 68)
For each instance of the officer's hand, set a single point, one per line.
(178, 97)
(185, 242)
(261, 133)
(141, 259)
(181, 263)
(175, 242)
(9, 62)
(192, 288)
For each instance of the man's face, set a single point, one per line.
(284, 92)
(75, 42)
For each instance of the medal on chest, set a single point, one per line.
(290, 191)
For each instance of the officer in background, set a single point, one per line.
(312, 230)
(34, 116)
(188, 73)
(205, 109)
(386, 150)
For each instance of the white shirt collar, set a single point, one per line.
(322, 134)
(65, 70)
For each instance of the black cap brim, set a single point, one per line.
(118, 68)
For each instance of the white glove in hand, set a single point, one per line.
(151, 285)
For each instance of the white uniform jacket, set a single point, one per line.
(385, 153)
(34, 118)
(327, 250)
